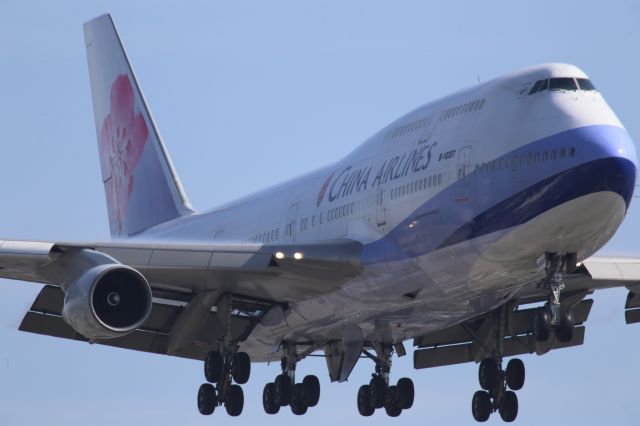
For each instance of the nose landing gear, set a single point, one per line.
(554, 317)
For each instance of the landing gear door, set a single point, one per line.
(464, 171)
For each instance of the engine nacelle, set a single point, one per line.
(107, 301)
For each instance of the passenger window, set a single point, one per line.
(536, 157)
(545, 156)
(439, 178)
(572, 152)
(561, 153)
(553, 154)
(564, 83)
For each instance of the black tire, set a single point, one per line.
(564, 330)
(268, 399)
(488, 373)
(392, 404)
(213, 366)
(312, 390)
(406, 393)
(241, 367)
(235, 401)
(283, 388)
(515, 374)
(365, 407)
(542, 324)
(378, 389)
(481, 406)
(298, 400)
(207, 399)
(509, 407)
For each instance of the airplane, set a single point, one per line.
(468, 225)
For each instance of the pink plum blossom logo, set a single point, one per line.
(324, 188)
(122, 139)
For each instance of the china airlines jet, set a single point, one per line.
(468, 225)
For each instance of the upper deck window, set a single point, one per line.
(586, 84)
(563, 83)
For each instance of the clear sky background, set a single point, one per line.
(247, 95)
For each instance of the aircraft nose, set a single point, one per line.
(614, 153)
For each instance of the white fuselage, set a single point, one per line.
(454, 202)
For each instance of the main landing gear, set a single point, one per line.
(285, 391)
(222, 368)
(378, 393)
(495, 395)
(554, 317)
(498, 385)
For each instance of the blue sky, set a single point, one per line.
(248, 94)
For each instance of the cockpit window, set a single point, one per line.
(564, 83)
(544, 85)
(586, 84)
(535, 87)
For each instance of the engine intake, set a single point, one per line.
(107, 301)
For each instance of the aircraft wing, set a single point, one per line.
(186, 279)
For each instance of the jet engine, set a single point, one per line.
(107, 301)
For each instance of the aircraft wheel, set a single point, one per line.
(488, 373)
(283, 387)
(392, 404)
(515, 374)
(365, 405)
(378, 389)
(213, 366)
(298, 401)
(268, 399)
(542, 324)
(509, 407)
(312, 390)
(481, 406)
(564, 330)
(241, 367)
(406, 393)
(207, 399)
(235, 401)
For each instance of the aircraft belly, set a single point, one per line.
(406, 298)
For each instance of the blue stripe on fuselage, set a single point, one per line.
(482, 203)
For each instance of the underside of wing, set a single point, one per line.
(87, 284)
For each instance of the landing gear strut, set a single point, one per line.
(554, 317)
(285, 391)
(498, 385)
(378, 393)
(222, 368)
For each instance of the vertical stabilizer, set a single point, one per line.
(141, 186)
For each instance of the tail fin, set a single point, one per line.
(141, 186)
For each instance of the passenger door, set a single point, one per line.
(464, 170)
